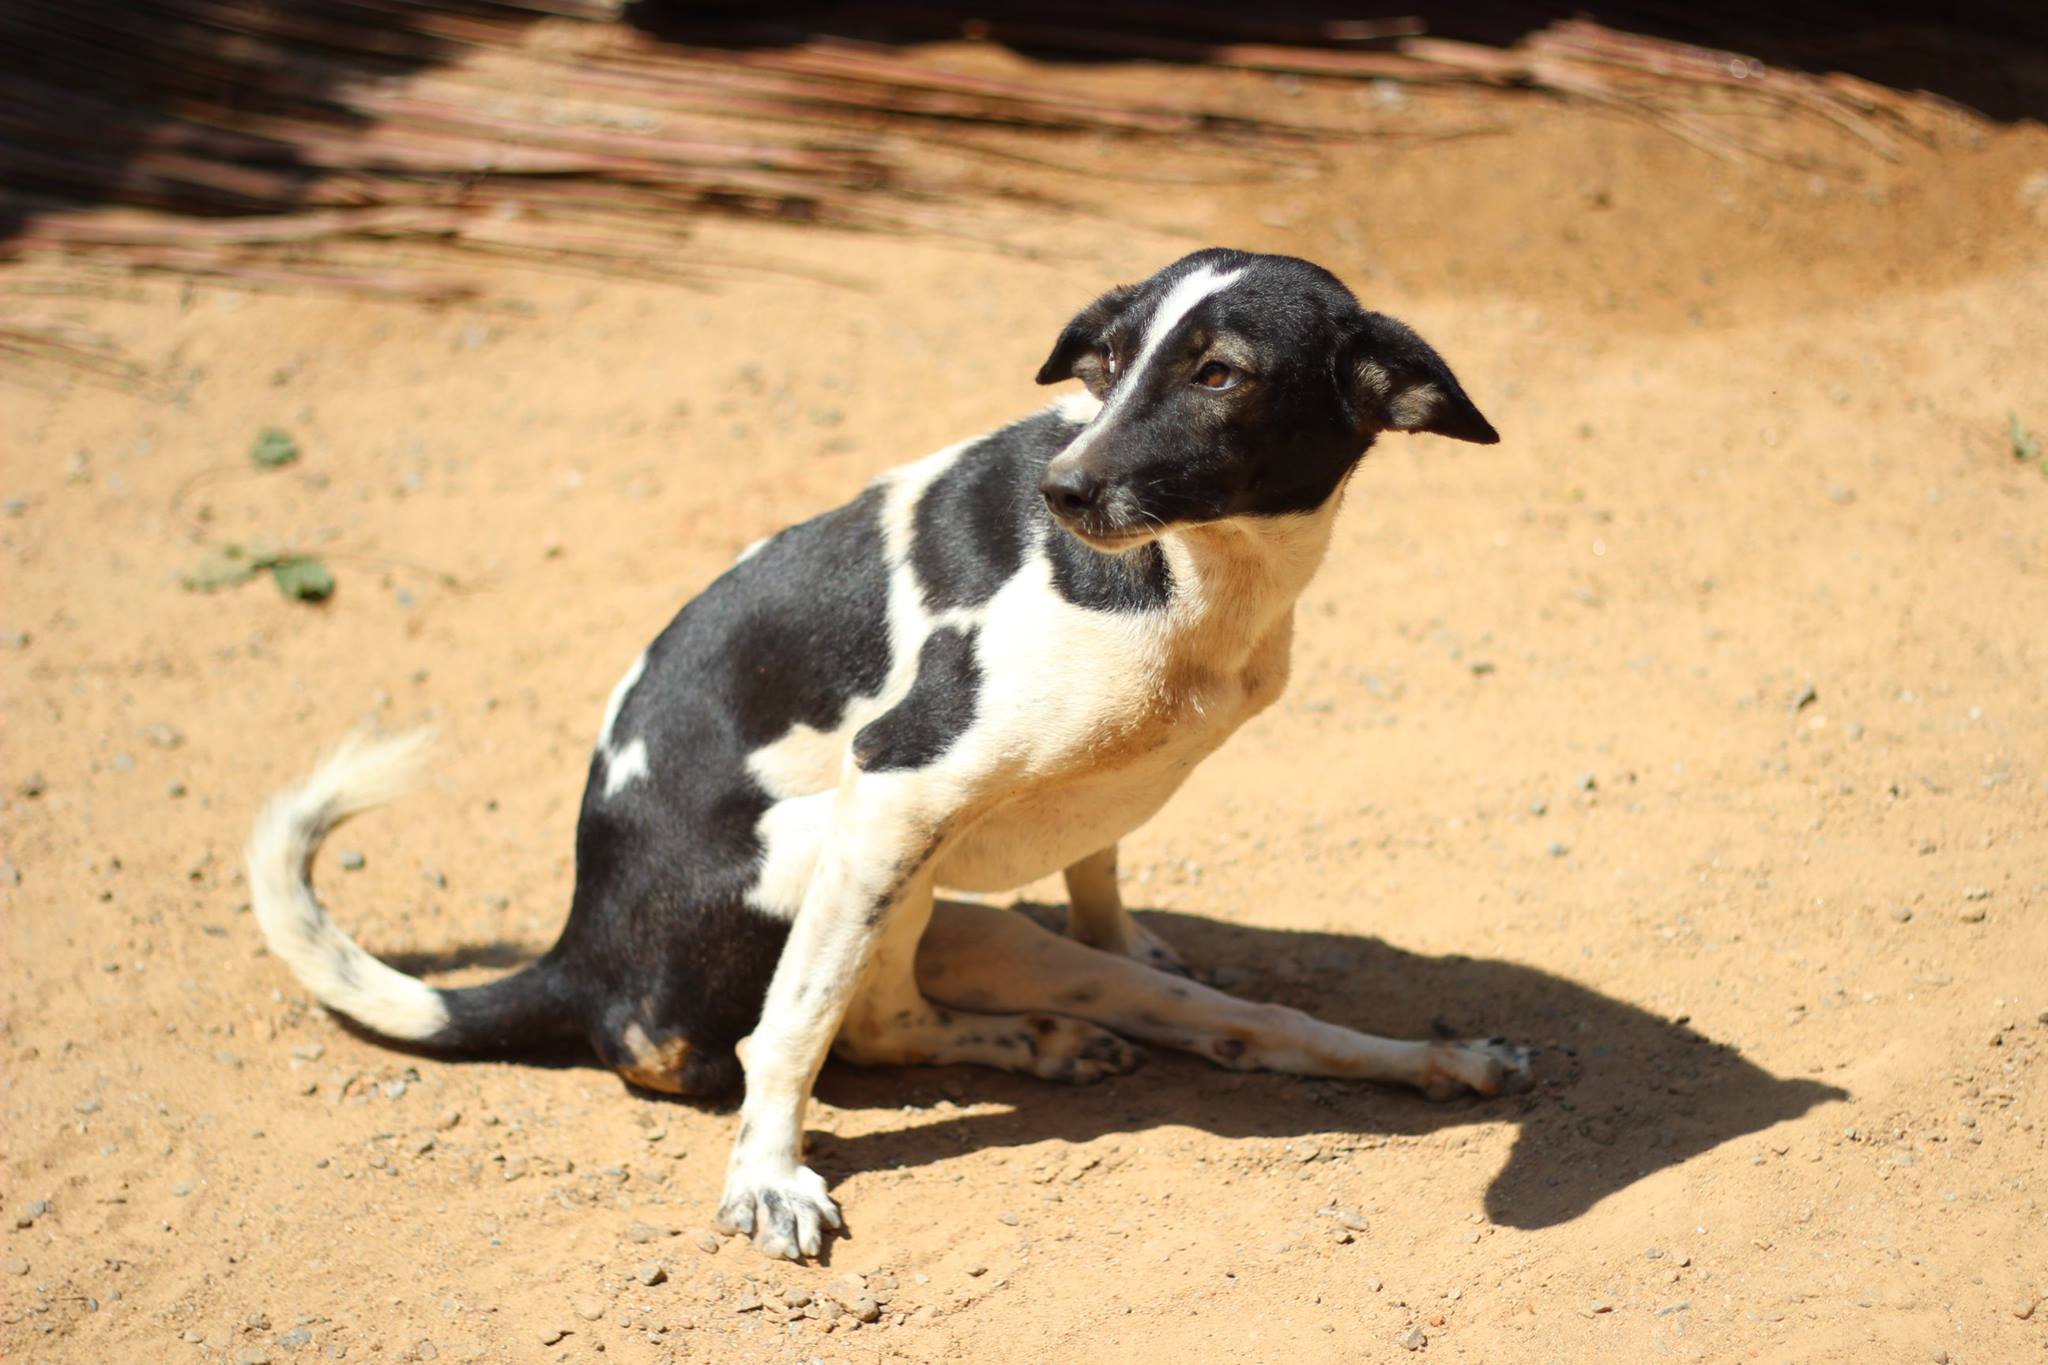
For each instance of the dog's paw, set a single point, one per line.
(786, 1211)
(1492, 1066)
(1155, 952)
(1075, 1052)
(1140, 944)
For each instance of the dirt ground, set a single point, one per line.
(1694, 734)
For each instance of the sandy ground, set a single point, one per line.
(1694, 734)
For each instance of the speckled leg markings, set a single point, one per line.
(890, 1023)
(1096, 916)
(981, 957)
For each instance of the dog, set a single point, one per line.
(991, 665)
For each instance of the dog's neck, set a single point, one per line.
(1236, 581)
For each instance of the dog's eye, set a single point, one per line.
(1217, 375)
(1109, 362)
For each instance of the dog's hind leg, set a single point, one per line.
(980, 957)
(890, 1023)
(1096, 916)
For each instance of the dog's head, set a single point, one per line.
(1235, 385)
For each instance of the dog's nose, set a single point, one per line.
(1070, 492)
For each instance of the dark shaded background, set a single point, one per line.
(85, 83)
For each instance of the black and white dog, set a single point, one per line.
(991, 665)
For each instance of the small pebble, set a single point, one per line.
(749, 1303)
(294, 1339)
(27, 1217)
(1902, 913)
(89, 1105)
(15, 1265)
(1559, 849)
(252, 1355)
(1412, 1340)
(352, 860)
(1601, 1306)
(977, 1270)
(550, 1335)
(590, 1310)
(1007, 1219)
(449, 1118)
(426, 1350)
(708, 1244)
(164, 736)
(650, 1273)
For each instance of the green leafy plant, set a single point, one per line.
(301, 577)
(274, 448)
(2025, 444)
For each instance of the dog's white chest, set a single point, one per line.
(1057, 820)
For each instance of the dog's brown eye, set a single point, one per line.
(1216, 375)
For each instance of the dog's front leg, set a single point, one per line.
(868, 865)
(1096, 916)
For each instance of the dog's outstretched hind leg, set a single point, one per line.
(983, 958)
(890, 1023)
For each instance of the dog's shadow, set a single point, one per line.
(1620, 1093)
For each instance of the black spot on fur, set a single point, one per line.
(983, 515)
(1137, 580)
(1081, 995)
(345, 974)
(938, 709)
(776, 1210)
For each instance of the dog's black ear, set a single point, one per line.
(1397, 383)
(1077, 354)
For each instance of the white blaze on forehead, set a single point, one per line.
(1187, 292)
(1180, 300)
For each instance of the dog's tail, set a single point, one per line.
(363, 772)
